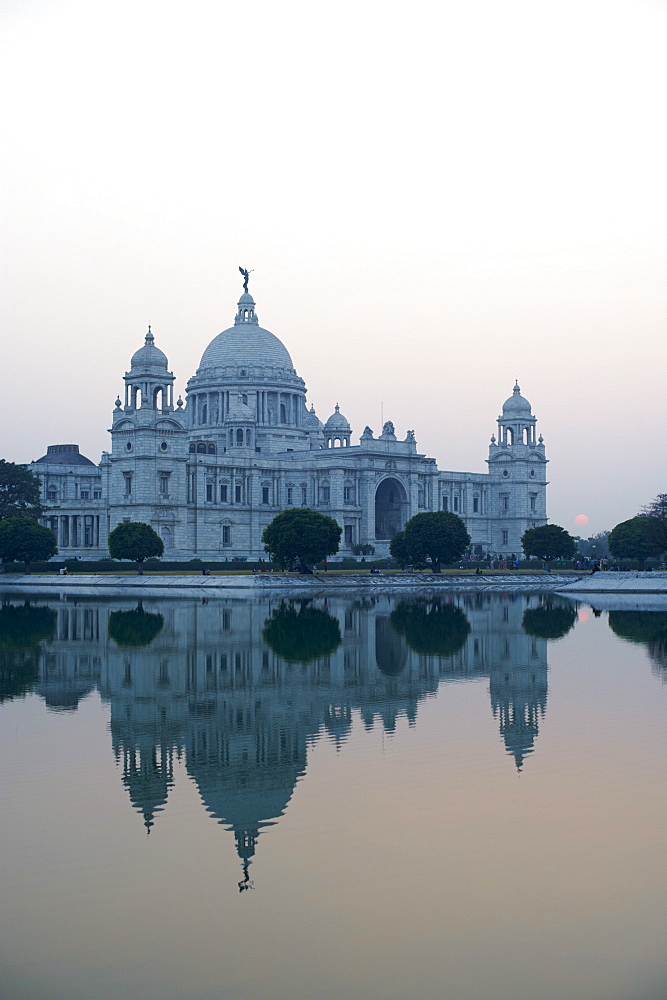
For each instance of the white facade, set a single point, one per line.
(210, 475)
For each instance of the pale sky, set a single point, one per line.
(436, 199)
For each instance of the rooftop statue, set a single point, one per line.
(246, 274)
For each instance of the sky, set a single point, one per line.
(435, 200)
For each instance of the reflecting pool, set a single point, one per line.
(457, 797)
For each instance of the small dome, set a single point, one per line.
(149, 356)
(240, 412)
(516, 402)
(64, 454)
(337, 422)
(312, 422)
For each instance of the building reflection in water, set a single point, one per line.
(240, 690)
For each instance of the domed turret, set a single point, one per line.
(516, 403)
(149, 356)
(312, 422)
(516, 423)
(149, 383)
(337, 430)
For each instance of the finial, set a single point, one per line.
(493, 439)
(179, 402)
(517, 388)
(337, 408)
(118, 402)
(149, 336)
(246, 274)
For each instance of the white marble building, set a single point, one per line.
(209, 475)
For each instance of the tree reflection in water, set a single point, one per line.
(134, 628)
(431, 627)
(301, 636)
(550, 620)
(647, 628)
(22, 631)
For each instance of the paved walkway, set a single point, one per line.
(617, 583)
(261, 583)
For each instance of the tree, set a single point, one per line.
(549, 620)
(399, 549)
(595, 546)
(301, 536)
(431, 628)
(19, 491)
(134, 628)
(23, 540)
(548, 541)
(134, 540)
(634, 539)
(441, 535)
(657, 511)
(302, 636)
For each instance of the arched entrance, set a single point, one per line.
(391, 508)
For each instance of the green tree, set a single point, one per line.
(548, 541)
(23, 540)
(430, 627)
(549, 621)
(22, 630)
(134, 540)
(301, 536)
(634, 539)
(595, 546)
(19, 491)
(134, 628)
(656, 510)
(399, 549)
(302, 636)
(441, 535)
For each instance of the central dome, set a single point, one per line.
(246, 344)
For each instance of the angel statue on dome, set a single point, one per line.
(246, 274)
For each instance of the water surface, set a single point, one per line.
(459, 799)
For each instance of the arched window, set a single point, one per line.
(204, 414)
(231, 438)
(192, 447)
(239, 437)
(211, 449)
(201, 448)
(510, 436)
(283, 414)
(248, 439)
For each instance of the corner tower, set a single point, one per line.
(147, 464)
(517, 469)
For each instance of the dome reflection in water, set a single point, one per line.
(351, 758)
